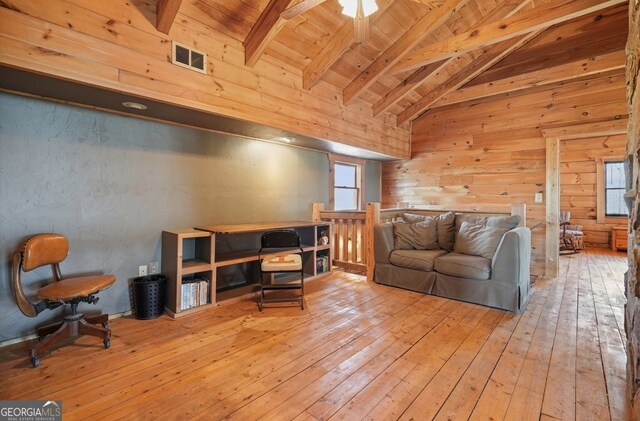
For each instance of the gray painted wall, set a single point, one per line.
(111, 184)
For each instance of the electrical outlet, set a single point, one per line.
(538, 197)
(154, 268)
(142, 270)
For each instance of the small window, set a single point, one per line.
(614, 189)
(346, 190)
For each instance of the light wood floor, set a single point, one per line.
(359, 351)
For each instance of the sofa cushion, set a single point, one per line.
(415, 259)
(506, 222)
(478, 240)
(419, 236)
(463, 266)
(445, 224)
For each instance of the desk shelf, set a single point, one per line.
(220, 253)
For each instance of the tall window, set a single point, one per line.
(346, 182)
(346, 188)
(614, 188)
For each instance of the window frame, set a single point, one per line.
(601, 216)
(359, 164)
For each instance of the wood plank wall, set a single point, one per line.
(579, 159)
(114, 44)
(490, 152)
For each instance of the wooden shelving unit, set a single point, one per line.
(214, 252)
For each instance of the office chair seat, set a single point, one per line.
(70, 288)
(282, 263)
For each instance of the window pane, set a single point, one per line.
(345, 175)
(615, 202)
(346, 199)
(614, 175)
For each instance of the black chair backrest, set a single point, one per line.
(280, 238)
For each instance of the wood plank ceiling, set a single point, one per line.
(420, 54)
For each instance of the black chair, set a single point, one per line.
(279, 254)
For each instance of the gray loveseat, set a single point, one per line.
(483, 260)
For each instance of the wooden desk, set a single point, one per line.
(619, 238)
(208, 251)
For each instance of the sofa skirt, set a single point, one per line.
(414, 280)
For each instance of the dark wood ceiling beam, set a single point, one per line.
(563, 73)
(264, 31)
(521, 23)
(486, 59)
(425, 26)
(505, 9)
(166, 11)
(335, 48)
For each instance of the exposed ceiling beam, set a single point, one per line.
(488, 57)
(300, 8)
(166, 11)
(409, 84)
(530, 20)
(335, 48)
(566, 72)
(417, 78)
(264, 31)
(429, 23)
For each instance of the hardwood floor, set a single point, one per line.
(358, 351)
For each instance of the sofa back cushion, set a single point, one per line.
(420, 236)
(505, 222)
(445, 227)
(478, 239)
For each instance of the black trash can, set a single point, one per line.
(149, 296)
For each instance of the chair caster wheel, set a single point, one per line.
(107, 343)
(105, 325)
(35, 362)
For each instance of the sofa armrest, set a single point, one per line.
(382, 242)
(512, 260)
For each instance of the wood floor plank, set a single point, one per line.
(359, 350)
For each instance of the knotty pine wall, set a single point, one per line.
(579, 159)
(114, 44)
(489, 153)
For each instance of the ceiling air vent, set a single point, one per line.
(188, 57)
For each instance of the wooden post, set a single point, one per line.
(553, 207)
(372, 218)
(316, 208)
(521, 210)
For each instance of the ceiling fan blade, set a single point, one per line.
(361, 23)
(299, 8)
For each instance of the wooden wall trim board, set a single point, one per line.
(87, 51)
(552, 206)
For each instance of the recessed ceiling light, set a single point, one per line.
(286, 139)
(134, 105)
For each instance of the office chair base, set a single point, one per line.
(73, 325)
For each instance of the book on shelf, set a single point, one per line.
(194, 293)
(322, 264)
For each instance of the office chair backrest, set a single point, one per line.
(44, 249)
(280, 238)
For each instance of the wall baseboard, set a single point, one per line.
(34, 336)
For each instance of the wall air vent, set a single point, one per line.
(188, 57)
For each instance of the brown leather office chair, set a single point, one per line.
(51, 249)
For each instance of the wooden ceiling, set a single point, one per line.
(421, 54)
